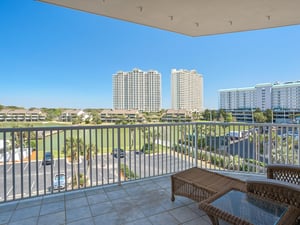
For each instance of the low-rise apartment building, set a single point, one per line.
(117, 115)
(72, 114)
(173, 115)
(14, 115)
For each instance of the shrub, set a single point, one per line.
(147, 148)
(127, 172)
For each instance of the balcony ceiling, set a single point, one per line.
(194, 17)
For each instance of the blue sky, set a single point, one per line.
(52, 56)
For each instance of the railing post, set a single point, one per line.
(4, 167)
(196, 146)
(119, 159)
(270, 145)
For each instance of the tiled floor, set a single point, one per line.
(145, 202)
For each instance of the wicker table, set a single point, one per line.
(238, 207)
(200, 184)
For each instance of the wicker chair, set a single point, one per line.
(284, 193)
(279, 191)
(282, 186)
(276, 190)
(199, 184)
(287, 173)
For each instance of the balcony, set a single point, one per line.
(145, 201)
(104, 188)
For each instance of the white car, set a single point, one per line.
(59, 181)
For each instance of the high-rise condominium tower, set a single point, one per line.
(187, 90)
(137, 90)
(263, 96)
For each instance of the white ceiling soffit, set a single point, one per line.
(194, 17)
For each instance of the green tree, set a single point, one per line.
(131, 133)
(214, 114)
(259, 117)
(206, 114)
(51, 113)
(96, 117)
(286, 151)
(150, 136)
(221, 115)
(228, 117)
(89, 154)
(74, 148)
(77, 120)
(269, 115)
(14, 107)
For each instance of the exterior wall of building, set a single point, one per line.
(113, 116)
(238, 98)
(137, 90)
(72, 114)
(120, 90)
(286, 95)
(21, 115)
(186, 90)
(180, 115)
(262, 96)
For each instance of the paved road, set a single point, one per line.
(28, 178)
(34, 177)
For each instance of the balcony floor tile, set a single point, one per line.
(142, 202)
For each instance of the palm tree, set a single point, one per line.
(131, 142)
(256, 139)
(151, 136)
(74, 148)
(284, 152)
(90, 152)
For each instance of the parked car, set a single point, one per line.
(235, 135)
(291, 135)
(59, 181)
(47, 159)
(138, 152)
(115, 153)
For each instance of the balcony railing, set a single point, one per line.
(44, 160)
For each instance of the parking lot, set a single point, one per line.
(28, 178)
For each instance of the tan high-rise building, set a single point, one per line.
(137, 90)
(187, 90)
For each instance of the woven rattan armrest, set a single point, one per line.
(287, 173)
(276, 190)
(280, 191)
(291, 217)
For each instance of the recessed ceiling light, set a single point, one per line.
(140, 8)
